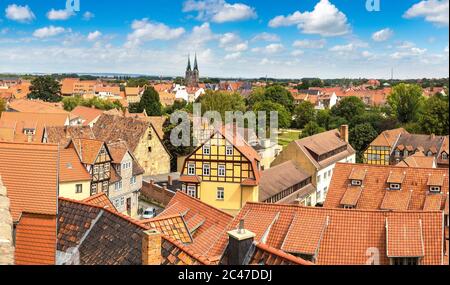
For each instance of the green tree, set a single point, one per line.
(405, 101)
(150, 102)
(434, 117)
(323, 118)
(222, 102)
(303, 114)
(284, 117)
(45, 88)
(137, 82)
(348, 108)
(360, 137)
(279, 94)
(69, 103)
(176, 151)
(257, 95)
(310, 129)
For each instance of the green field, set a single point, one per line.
(288, 136)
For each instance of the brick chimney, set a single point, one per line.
(239, 244)
(344, 133)
(151, 248)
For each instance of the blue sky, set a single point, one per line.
(242, 38)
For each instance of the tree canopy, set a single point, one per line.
(348, 108)
(45, 88)
(303, 114)
(434, 116)
(405, 101)
(222, 102)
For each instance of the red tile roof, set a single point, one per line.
(36, 240)
(267, 255)
(87, 149)
(30, 173)
(89, 115)
(100, 200)
(172, 226)
(375, 189)
(71, 169)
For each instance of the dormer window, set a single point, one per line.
(444, 156)
(397, 153)
(29, 132)
(435, 189)
(429, 153)
(356, 182)
(405, 153)
(394, 186)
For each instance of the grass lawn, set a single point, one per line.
(288, 136)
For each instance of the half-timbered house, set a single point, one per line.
(224, 172)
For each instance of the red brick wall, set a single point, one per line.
(156, 193)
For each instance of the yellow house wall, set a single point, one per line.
(68, 190)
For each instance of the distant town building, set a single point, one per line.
(192, 74)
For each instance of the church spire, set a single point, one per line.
(195, 62)
(189, 63)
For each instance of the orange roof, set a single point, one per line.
(172, 226)
(346, 235)
(87, 149)
(404, 237)
(18, 121)
(388, 138)
(86, 113)
(36, 106)
(418, 159)
(376, 194)
(67, 85)
(30, 173)
(100, 200)
(36, 240)
(205, 223)
(268, 255)
(70, 167)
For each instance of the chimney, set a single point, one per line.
(151, 248)
(344, 133)
(169, 180)
(239, 244)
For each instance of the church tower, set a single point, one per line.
(192, 75)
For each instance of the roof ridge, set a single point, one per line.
(204, 260)
(203, 203)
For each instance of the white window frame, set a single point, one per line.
(191, 166)
(191, 191)
(76, 188)
(435, 189)
(229, 150)
(395, 186)
(220, 194)
(221, 170)
(133, 180)
(208, 168)
(208, 148)
(356, 182)
(444, 156)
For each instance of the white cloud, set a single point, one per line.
(382, 35)
(446, 49)
(269, 49)
(234, 55)
(94, 36)
(88, 16)
(434, 11)
(343, 48)
(297, 52)
(268, 37)
(59, 14)
(368, 55)
(49, 31)
(144, 30)
(21, 14)
(232, 42)
(408, 51)
(310, 43)
(325, 20)
(219, 11)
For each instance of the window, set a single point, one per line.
(318, 178)
(329, 173)
(191, 169)
(221, 171)
(95, 169)
(356, 182)
(122, 201)
(397, 153)
(444, 156)
(206, 149)
(429, 153)
(183, 188)
(149, 149)
(405, 261)
(206, 169)
(435, 189)
(149, 135)
(133, 180)
(229, 150)
(394, 186)
(79, 188)
(220, 193)
(126, 165)
(118, 186)
(405, 153)
(192, 191)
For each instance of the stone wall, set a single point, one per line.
(6, 229)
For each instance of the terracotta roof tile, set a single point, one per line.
(36, 240)
(30, 173)
(36, 106)
(87, 149)
(88, 114)
(396, 176)
(100, 200)
(414, 187)
(404, 237)
(70, 167)
(172, 226)
(266, 255)
(351, 196)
